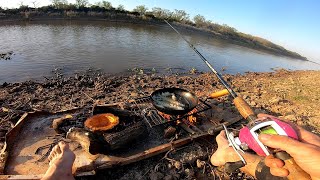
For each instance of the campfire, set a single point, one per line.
(135, 130)
(115, 127)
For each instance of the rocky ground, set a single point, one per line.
(292, 95)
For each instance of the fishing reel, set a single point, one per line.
(248, 135)
(248, 138)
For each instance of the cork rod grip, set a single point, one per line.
(243, 107)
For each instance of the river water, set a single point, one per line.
(112, 47)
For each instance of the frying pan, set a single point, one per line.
(174, 101)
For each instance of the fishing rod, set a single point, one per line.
(248, 135)
(242, 106)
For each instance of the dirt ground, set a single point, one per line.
(292, 95)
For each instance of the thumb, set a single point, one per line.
(284, 143)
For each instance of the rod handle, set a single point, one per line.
(243, 108)
(295, 171)
(219, 93)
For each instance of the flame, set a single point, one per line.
(165, 116)
(192, 119)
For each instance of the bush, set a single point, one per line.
(142, 9)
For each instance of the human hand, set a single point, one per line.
(305, 152)
(225, 154)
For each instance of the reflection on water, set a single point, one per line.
(114, 47)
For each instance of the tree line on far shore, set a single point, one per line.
(105, 8)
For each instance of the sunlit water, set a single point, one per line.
(114, 48)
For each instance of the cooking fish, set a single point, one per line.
(171, 100)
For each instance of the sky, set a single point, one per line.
(294, 24)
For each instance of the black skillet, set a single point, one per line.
(174, 101)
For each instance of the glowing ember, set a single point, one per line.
(165, 116)
(192, 119)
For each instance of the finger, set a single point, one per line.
(285, 143)
(277, 118)
(281, 172)
(304, 135)
(223, 133)
(308, 137)
(221, 139)
(261, 115)
(273, 162)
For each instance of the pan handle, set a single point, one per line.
(219, 93)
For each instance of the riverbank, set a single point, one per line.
(291, 95)
(234, 37)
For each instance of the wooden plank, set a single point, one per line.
(26, 177)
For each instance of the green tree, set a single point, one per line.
(142, 9)
(59, 4)
(104, 4)
(120, 7)
(23, 7)
(161, 13)
(35, 4)
(225, 29)
(199, 20)
(81, 3)
(180, 15)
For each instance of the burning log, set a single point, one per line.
(164, 115)
(121, 139)
(169, 132)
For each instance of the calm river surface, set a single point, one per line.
(114, 47)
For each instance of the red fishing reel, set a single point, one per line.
(248, 136)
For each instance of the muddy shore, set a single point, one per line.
(292, 95)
